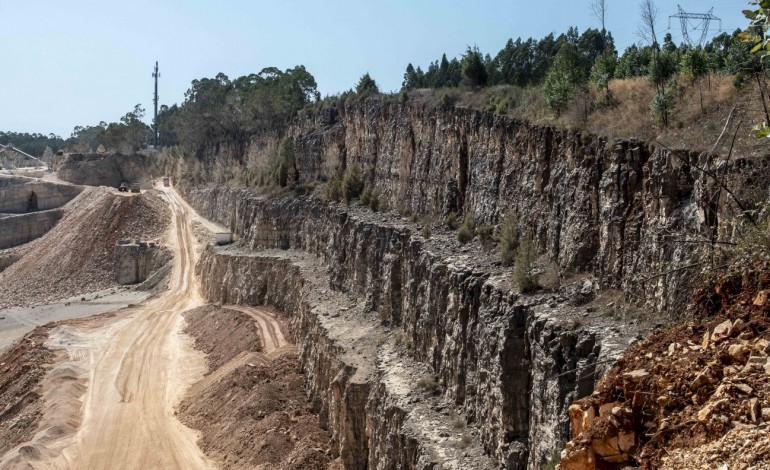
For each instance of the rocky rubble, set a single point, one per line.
(695, 396)
(22, 368)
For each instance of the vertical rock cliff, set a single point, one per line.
(410, 342)
(509, 366)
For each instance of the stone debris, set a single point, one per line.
(694, 406)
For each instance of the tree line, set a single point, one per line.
(223, 114)
(33, 144)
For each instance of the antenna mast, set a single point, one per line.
(156, 75)
(686, 20)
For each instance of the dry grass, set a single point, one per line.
(629, 116)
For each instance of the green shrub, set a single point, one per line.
(352, 184)
(429, 384)
(333, 188)
(366, 196)
(485, 232)
(555, 459)
(523, 277)
(426, 232)
(465, 234)
(374, 201)
(451, 221)
(508, 234)
(662, 106)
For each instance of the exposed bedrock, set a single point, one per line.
(21, 195)
(630, 215)
(616, 209)
(103, 169)
(22, 228)
(509, 364)
(137, 260)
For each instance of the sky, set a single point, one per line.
(78, 62)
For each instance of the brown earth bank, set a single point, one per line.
(250, 407)
(693, 396)
(22, 368)
(77, 255)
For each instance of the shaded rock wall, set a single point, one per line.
(19, 229)
(103, 169)
(135, 261)
(615, 209)
(35, 196)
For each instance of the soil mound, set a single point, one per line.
(22, 368)
(77, 255)
(251, 407)
(694, 396)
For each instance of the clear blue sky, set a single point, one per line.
(78, 62)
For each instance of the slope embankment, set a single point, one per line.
(250, 406)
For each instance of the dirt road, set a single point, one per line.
(128, 417)
(269, 327)
(135, 368)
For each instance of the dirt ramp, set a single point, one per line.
(250, 407)
(77, 255)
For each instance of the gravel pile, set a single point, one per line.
(77, 255)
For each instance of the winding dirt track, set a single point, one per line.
(128, 417)
(272, 336)
(135, 367)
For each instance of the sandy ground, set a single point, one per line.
(110, 396)
(18, 321)
(133, 367)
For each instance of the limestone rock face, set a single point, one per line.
(593, 205)
(505, 361)
(103, 169)
(21, 195)
(136, 260)
(510, 364)
(22, 228)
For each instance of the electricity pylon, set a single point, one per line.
(695, 21)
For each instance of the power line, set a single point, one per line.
(695, 21)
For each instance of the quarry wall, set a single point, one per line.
(616, 209)
(511, 364)
(25, 196)
(103, 169)
(22, 228)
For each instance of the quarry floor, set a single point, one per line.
(104, 390)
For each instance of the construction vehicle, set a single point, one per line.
(123, 187)
(165, 181)
(135, 188)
